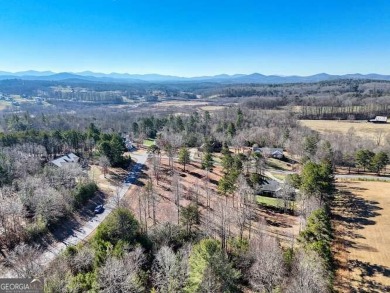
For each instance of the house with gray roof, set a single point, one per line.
(69, 158)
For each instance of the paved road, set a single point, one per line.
(88, 227)
(340, 176)
(360, 176)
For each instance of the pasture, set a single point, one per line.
(361, 219)
(361, 128)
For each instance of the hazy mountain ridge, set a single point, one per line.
(222, 78)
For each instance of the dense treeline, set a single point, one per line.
(95, 92)
(327, 99)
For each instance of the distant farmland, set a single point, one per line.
(361, 128)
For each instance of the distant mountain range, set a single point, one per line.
(142, 78)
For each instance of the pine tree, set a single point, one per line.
(184, 157)
(207, 161)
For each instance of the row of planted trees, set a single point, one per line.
(368, 160)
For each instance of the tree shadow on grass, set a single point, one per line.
(196, 174)
(354, 213)
(370, 270)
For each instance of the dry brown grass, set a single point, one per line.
(362, 128)
(212, 108)
(362, 222)
(111, 182)
(181, 103)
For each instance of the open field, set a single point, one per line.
(362, 220)
(361, 128)
(212, 108)
(181, 103)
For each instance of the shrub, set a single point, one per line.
(35, 230)
(119, 225)
(84, 192)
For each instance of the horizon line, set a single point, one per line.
(181, 76)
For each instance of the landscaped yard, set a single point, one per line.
(269, 201)
(278, 164)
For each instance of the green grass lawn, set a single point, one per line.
(278, 164)
(279, 176)
(149, 142)
(269, 201)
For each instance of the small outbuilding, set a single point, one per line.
(379, 119)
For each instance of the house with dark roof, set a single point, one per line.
(270, 187)
(276, 153)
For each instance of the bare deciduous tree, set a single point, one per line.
(122, 274)
(308, 274)
(152, 198)
(176, 189)
(24, 260)
(104, 162)
(11, 221)
(82, 262)
(170, 270)
(286, 194)
(267, 272)
(223, 214)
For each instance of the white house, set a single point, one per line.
(379, 119)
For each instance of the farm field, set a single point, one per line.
(362, 221)
(181, 103)
(212, 108)
(362, 128)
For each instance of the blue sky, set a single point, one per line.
(191, 38)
